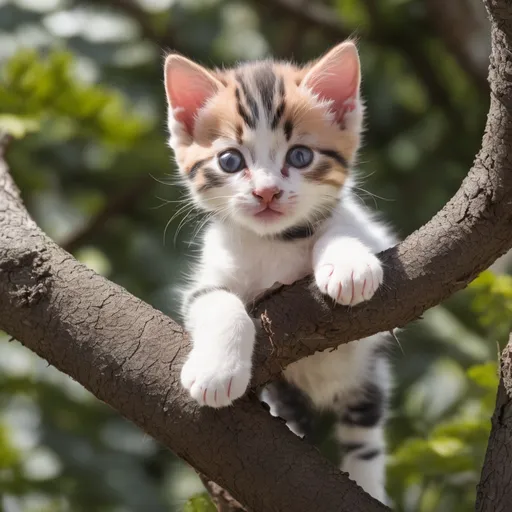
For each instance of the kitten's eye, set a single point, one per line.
(299, 157)
(231, 161)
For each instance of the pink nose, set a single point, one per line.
(267, 195)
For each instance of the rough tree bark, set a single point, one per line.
(129, 355)
(494, 493)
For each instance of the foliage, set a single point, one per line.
(199, 503)
(34, 88)
(493, 304)
(439, 468)
(87, 105)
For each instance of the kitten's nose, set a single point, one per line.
(267, 194)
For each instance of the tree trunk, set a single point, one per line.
(494, 492)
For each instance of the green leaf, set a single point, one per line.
(470, 431)
(200, 503)
(8, 455)
(17, 126)
(485, 375)
(446, 446)
(36, 87)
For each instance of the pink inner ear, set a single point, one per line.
(188, 88)
(336, 77)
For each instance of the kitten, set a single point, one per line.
(267, 149)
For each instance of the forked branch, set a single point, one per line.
(129, 355)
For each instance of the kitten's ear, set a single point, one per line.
(337, 77)
(188, 87)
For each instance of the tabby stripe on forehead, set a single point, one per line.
(265, 81)
(288, 129)
(331, 153)
(280, 108)
(250, 122)
(281, 86)
(239, 134)
(251, 101)
(278, 115)
(211, 180)
(249, 98)
(193, 170)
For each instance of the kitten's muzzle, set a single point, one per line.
(267, 195)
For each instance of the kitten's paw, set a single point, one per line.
(218, 369)
(349, 279)
(214, 382)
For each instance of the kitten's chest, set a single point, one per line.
(272, 263)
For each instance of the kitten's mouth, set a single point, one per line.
(268, 214)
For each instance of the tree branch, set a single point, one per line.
(129, 355)
(222, 499)
(494, 492)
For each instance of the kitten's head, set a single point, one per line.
(267, 145)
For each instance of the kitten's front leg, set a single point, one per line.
(346, 269)
(218, 368)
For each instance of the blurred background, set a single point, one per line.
(81, 90)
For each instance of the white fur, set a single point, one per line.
(327, 375)
(218, 368)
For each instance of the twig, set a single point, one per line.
(222, 499)
(5, 140)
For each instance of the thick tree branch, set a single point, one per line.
(129, 355)
(222, 499)
(494, 493)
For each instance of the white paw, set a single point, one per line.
(215, 381)
(349, 279)
(218, 368)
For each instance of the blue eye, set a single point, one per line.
(299, 157)
(231, 161)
